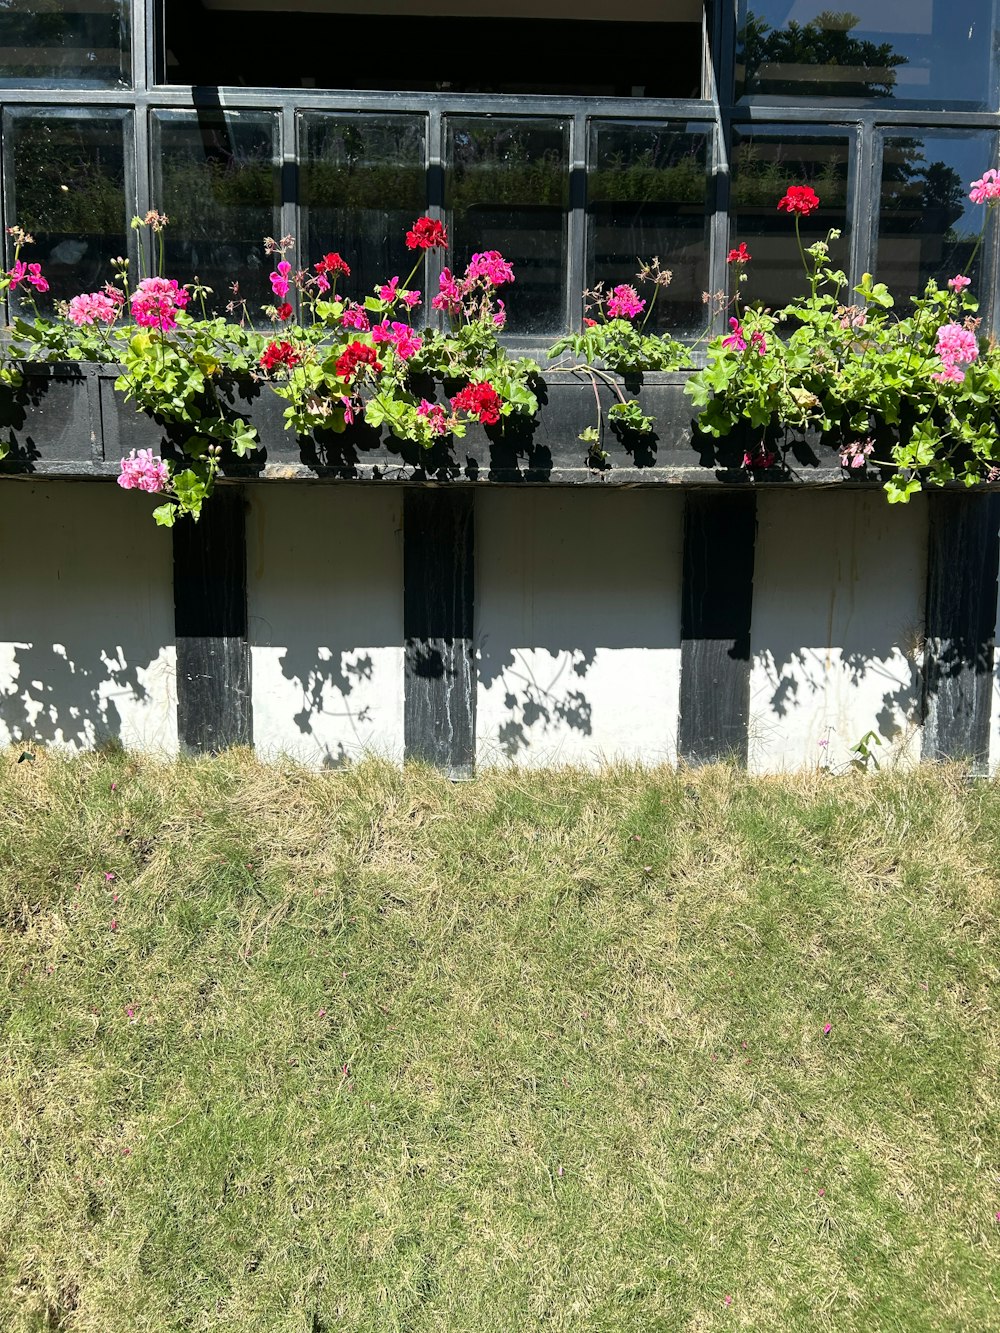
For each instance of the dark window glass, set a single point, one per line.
(763, 167)
(507, 189)
(931, 51)
(363, 181)
(217, 176)
(641, 48)
(65, 177)
(928, 228)
(647, 190)
(44, 43)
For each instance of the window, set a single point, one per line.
(579, 138)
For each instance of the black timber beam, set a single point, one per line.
(963, 545)
(439, 702)
(716, 607)
(210, 623)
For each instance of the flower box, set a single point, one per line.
(68, 420)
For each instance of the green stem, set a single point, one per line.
(649, 310)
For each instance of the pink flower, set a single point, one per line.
(986, 189)
(406, 341)
(490, 265)
(155, 303)
(30, 273)
(435, 415)
(957, 347)
(279, 278)
(322, 282)
(354, 317)
(114, 923)
(410, 299)
(142, 472)
(827, 1029)
(500, 318)
(624, 303)
(959, 282)
(388, 292)
(450, 293)
(92, 307)
(110, 874)
(727, 1300)
(735, 339)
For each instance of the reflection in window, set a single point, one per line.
(85, 42)
(764, 165)
(507, 189)
(919, 50)
(218, 179)
(65, 184)
(362, 183)
(647, 191)
(927, 226)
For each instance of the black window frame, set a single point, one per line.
(718, 111)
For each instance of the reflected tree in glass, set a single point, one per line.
(507, 189)
(928, 228)
(217, 176)
(65, 182)
(51, 42)
(920, 50)
(647, 191)
(362, 183)
(763, 167)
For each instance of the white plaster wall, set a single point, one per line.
(86, 619)
(838, 609)
(325, 606)
(578, 625)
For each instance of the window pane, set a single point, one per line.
(507, 189)
(65, 182)
(647, 190)
(362, 183)
(931, 51)
(640, 48)
(927, 226)
(85, 42)
(217, 176)
(763, 167)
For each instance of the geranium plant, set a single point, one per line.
(924, 387)
(613, 344)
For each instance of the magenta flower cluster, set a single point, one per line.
(156, 301)
(390, 293)
(737, 339)
(96, 307)
(398, 335)
(485, 271)
(624, 303)
(957, 347)
(986, 189)
(435, 415)
(143, 472)
(30, 273)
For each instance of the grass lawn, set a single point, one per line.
(560, 1050)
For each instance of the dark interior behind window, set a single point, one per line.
(637, 48)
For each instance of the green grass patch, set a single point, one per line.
(369, 1051)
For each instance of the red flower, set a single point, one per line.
(479, 400)
(799, 199)
(741, 255)
(589, 323)
(353, 357)
(279, 354)
(284, 311)
(427, 234)
(333, 263)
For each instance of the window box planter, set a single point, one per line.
(67, 420)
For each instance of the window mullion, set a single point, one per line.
(576, 222)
